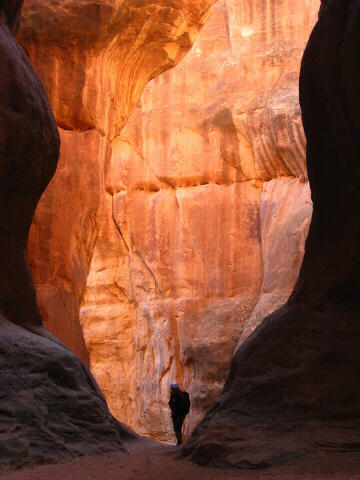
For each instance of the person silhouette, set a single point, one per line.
(179, 404)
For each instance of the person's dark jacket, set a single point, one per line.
(178, 404)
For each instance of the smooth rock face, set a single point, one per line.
(208, 190)
(293, 387)
(29, 146)
(94, 59)
(64, 232)
(285, 213)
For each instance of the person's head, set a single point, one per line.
(174, 387)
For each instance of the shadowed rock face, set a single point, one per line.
(293, 388)
(29, 150)
(51, 407)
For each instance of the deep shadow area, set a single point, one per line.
(293, 390)
(51, 407)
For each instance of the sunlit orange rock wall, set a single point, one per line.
(95, 59)
(292, 391)
(208, 210)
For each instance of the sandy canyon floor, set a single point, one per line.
(149, 461)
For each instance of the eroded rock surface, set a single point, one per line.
(95, 59)
(181, 218)
(51, 407)
(293, 388)
(208, 210)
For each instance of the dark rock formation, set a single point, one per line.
(293, 390)
(29, 149)
(50, 405)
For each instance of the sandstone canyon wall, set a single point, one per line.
(207, 212)
(192, 220)
(293, 389)
(51, 406)
(293, 386)
(94, 59)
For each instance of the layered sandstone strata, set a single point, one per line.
(293, 389)
(94, 59)
(208, 210)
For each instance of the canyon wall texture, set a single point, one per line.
(51, 406)
(293, 389)
(207, 211)
(94, 59)
(192, 220)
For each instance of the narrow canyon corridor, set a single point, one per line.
(193, 217)
(206, 214)
(180, 201)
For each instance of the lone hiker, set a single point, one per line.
(179, 404)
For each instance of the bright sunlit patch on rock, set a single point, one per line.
(246, 32)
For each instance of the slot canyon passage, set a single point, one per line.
(164, 239)
(193, 216)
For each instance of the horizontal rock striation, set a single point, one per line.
(94, 59)
(293, 389)
(208, 207)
